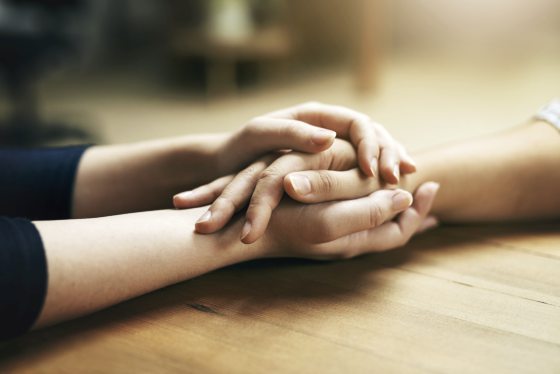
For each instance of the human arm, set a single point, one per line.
(260, 185)
(137, 177)
(94, 263)
(513, 175)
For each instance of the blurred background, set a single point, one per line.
(111, 71)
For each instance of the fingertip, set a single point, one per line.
(368, 166)
(181, 200)
(211, 221)
(203, 224)
(249, 235)
(300, 184)
(396, 172)
(409, 160)
(290, 189)
(431, 222)
(208, 227)
(255, 225)
(402, 200)
(288, 186)
(203, 228)
(407, 167)
(177, 203)
(432, 187)
(388, 174)
(245, 231)
(425, 196)
(323, 138)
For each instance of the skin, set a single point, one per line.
(355, 221)
(144, 251)
(510, 176)
(135, 177)
(110, 244)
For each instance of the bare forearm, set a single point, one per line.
(94, 263)
(509, 176)
(136, 177)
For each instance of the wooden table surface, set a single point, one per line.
(458, 299)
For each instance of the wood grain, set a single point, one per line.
(459, 299)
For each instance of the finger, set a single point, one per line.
(202, 195)
(397, 233)
(327, 185)
(269, 189)
(429, 223)
(389, 164)
(390, 235)
(407, 165)
(394, 159)
(425, 196)
(347, 123)
(265, 134)
(233, 197)
(343, 218)
(389, 159)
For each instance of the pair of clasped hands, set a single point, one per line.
(340, 170)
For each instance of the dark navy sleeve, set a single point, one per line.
(23, 276)
(34, 185)
(38, 184)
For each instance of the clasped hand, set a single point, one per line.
(340, 164)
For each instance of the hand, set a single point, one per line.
(266, 178)
(345, 229)
(230, 194)
(311, 128)
(329, 185)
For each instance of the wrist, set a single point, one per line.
(226, 246)
(191, 161)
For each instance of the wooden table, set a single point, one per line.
(458, 299)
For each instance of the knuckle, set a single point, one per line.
(375, 215)
(226, 203)
(327, 183)
(271, 175)
(254, 125)
(325, 158)
(290, 128)
(261, 198)
(215, 193)
(250, 171)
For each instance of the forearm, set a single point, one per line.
(119, 179)
(94, 263)
(509, 176)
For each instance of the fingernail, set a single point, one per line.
(434, 186)
(396, 172)
(411, 161)
(301, 184)
(246, 230)
(401, 200)
(183, 195)
(373, 166)
(322, 137)
(205, 217)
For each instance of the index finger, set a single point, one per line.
(269, 189)
(347, 123)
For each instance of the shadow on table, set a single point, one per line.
(251, 288)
